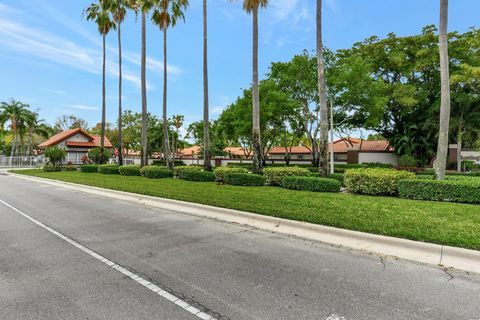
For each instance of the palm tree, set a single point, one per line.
(322, 93)
(177, 122)
(442, 149)
(100, 13)
(119, 12)
(145, 6)
(165, 15)
(207, 163)
(251, 7)
(17, 114)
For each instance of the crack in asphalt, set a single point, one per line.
(448, 273)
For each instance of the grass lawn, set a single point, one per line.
(437, 222)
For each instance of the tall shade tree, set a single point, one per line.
(119, 12)
(177, 122)
(322, 92)
(99, 12)
(207, 163)
(252, 7)
(166, 13)
(442, 148)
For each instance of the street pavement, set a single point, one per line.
(225, 270)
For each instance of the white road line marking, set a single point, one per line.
(147, 284)
(334, 317)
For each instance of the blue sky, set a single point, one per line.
(50, 57)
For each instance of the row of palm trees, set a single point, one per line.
(25, 126)
(110, 14)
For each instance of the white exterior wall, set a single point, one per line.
(78, 138)
(304, 156)
(382, 157)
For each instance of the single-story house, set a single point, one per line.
(231, 152)
(346, 150)
(77, 142)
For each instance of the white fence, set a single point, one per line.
(21, 161)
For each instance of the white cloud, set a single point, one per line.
(82, 107)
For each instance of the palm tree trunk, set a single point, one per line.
(323, 150)
(442, 148)
(120, 138)
(207, 164)
(256, 140)
(102, 131)
(166, 146)
(144, 160)
(459, 147)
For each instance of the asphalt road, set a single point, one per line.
(226, 270)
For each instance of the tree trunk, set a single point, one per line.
(442, 149)
(120, 138)
(144, 160)
(207, 164)
(459, 148)
(322, 92)
(166, 147)
(104, 104)
(332, 132)
(256, 139)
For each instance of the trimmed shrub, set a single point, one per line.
(163, 163)
(70, 167)
(340, 177)
(108, 169)
(375, 181)
(311, 184)
(89, 168)
(197, 175)
(244, 179)
(156, 172)
(221, 171)
(377, 165)
(466, 190)
(55, 156)
(407, 161)
(274, 176)
(341, 168)
(51, 168)
(130, 170)
(177, 171)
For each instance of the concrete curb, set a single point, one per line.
(433, 254)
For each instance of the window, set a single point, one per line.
(341, 157)
(299, 156)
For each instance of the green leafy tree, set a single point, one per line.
(17, 115)
(66, 122)
(55, 156)
(196, 132)
(166, 13)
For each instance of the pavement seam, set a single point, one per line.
(140, 280)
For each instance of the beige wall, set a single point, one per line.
(383, 157)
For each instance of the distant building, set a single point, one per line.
(346, 150)
(76, 142)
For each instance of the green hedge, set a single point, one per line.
(221, 171)
(466, 190)
(156, 172)
(244, 179)
(130, 170)
(377, 165)
(108, 169)
(274, 176)
(375, 181)
(311, 184)
(340, 177)
(163, 163)
(341, 168)
(89, 168)
(51, 168)
(177, 171)
(197, 175)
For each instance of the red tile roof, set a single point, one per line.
(193, 150)
(376, 146)
(237, 151)
(342, 146)
(94, 141)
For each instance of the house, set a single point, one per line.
(76, 142)
(231, 152)
(345, 150)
